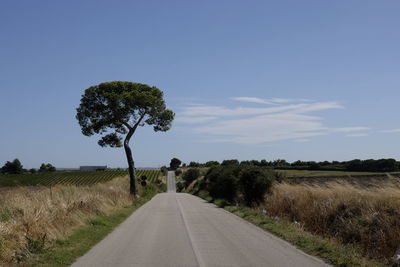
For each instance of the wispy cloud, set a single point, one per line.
(357, 135)
(391, 131)
(350, 129)
(270, 101)
(194, 119)
(256, 125)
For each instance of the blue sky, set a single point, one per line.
(309, 80)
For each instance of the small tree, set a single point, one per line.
(117, 109)
(222, 181)
(175, 163)
(190, 175)
(254, 182)
(47, 168)
(14, 167)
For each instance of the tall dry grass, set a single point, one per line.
(346, 212)
(31, 216)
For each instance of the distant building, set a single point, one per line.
(93, 168)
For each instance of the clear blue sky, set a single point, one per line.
(309, 80)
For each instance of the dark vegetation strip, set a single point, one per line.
(65, 252)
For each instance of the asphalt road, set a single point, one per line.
(175, 230)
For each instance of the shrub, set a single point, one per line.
(254, 183)
(221, 202)
(179, 186)
(190, 175)
(178, 172)
(222, 182)
(164, 170)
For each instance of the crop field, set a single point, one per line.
(71, 177)
(311, 173)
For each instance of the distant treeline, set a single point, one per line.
(369, 165)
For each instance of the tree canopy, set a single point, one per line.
(175, 163)
(47, 168)
(14, 167)
(113, 108)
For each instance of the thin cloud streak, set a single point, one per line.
(257, 125)
(391, 131)
(269, 101)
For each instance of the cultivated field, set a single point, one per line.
(70, 177)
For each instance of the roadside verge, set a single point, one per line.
(327, 249)
(65, 252)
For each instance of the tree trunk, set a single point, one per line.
(131, 164)
(131, 167)
(129, 157)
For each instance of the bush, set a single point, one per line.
(179, 186)
(190, 175)
(178, 172)
(254, 182)
(221, 202)
(222, 182)
(164, 170)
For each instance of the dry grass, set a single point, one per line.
(31, 218)
(347, 212)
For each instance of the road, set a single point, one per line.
(176, 230)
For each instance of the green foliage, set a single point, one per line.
(164, 170)
(193, 164)
(222, 182)
(211, 163)
(116, 108)
(221, 202)
(175, 163)
(237, 181)
(230, 162)
(190, 175)
(254, 183)
(33, 170)
(178, 172)
(47, 168)
(5, 214)
(14, 167)
(180, 186)
(36, 245)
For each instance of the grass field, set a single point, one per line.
(70, 177)
(35, 218)
(309, 173)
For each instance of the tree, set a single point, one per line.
(47, 168)
(116, 109)
(190, 175)
(14, 167)
(254, 183)
(175, 163)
